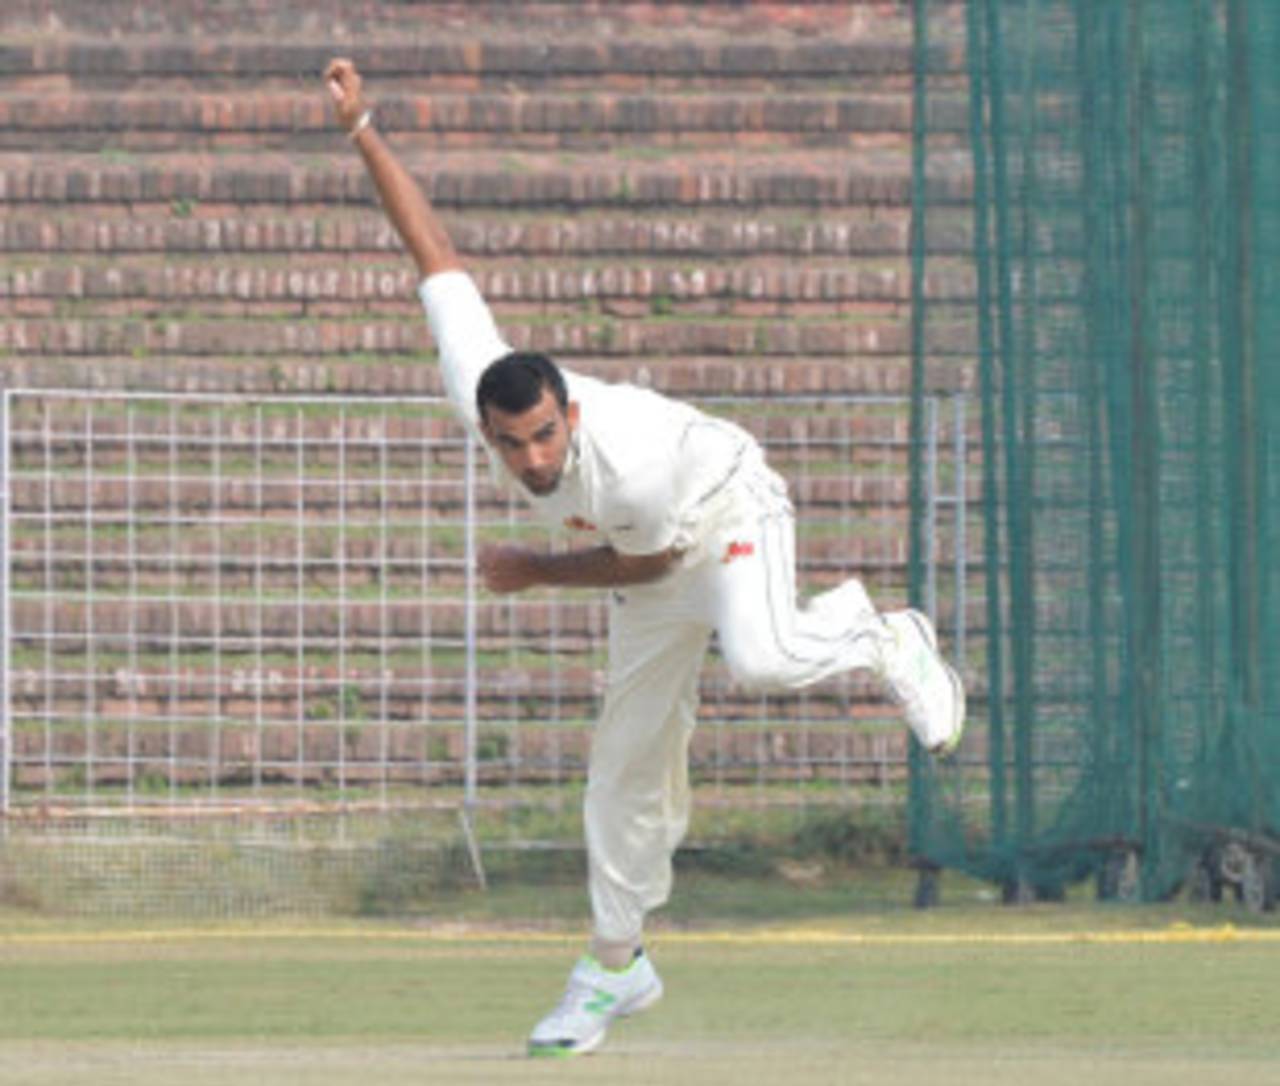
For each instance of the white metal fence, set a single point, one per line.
(229, 604)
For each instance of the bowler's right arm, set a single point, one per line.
(405, 203)
(461, 323)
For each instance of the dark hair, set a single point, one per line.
(514, 383)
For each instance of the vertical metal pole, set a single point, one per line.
(131, 603)
(930, 555)
(50, 609)
(175, 611)
(1016, 445)
(90, 711)
(919, 206)
(1246, 452)
(961, 509)
(384, 576)
(259, 667)
(216, 603)
(469, 573)
(345, 725)
(993, 560)
(918, 787)
(6, 733)
(300, 596)
(1146, 619)
(1108, 698)
(469, 794)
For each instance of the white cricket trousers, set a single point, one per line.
(741, 583)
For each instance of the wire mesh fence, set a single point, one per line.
(242, 620)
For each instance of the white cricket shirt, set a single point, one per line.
(644, 472)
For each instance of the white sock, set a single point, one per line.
(614, 955)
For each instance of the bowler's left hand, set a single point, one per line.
(508, 568)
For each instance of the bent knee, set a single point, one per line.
(757, 666)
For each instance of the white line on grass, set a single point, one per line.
(1175, 934)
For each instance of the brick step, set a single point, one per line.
(870, 747)
(415, 698)
(47, 539)
(190, 753)
(154, 620)
(239, 691)
(147, 686)
(147, 629)
(396, 567)
(358, 19)
(317, 283)
(245, 625)
(531, 182)
(375, 433)
(155, 596)
(360, 230)
(585, 336)
(377, 494)
(242, 566)
(382, 560)
(287, 696)
(341, 358)
(364, 569)
(811, 297)
(879, 55)
(146, 565)
(109, 782)
(182, 648)
(746, 374)
(513, 120)
(375, 439)
(202, 720)
(396, 633)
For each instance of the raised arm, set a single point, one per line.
(403, 200)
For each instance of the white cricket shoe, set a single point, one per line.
(922, 682)
(595, 996)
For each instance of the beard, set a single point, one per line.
(540, 483)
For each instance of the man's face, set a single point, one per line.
(534, 443)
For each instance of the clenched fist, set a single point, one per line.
(344, 82)
(508, 569)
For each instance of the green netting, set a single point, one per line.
(1110, 292)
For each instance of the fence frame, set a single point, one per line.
(935, 502)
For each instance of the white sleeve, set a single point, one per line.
(465, 335)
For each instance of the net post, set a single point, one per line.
(919, 813)
(6, 724)
(931, 500)
(473, 845)
(961, 526)
(470, 710)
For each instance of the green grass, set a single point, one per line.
(450, 1003)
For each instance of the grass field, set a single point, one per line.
(964, 994)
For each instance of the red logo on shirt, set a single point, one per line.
(738, 550)
(578, 524)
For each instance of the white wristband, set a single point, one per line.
(366, 119)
